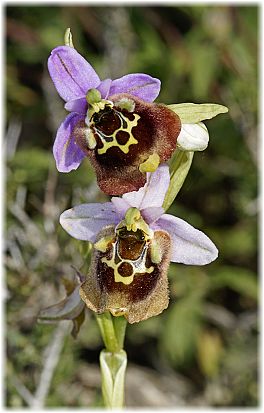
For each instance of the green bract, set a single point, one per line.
(179, 168)
(113, 367)
(194, 113)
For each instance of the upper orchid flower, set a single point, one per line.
(134, 242)
(113, 122)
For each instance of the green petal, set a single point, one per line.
(194, 113)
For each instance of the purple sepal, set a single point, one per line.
(104, 88)
(67, 153)
(72, 75)
(138, 84)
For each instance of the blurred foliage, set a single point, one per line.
(208, 337)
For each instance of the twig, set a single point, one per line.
(53, 352)
(28, 224)
(23, 391)
(220, 316)
(12, 137)
(21, 195)
(17, 257)
(50, 209)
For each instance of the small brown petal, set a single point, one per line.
(146, 293)
(71, 308)
(77, 323)
(125, 140)
(67, 309)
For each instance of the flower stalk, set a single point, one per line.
(112, 330)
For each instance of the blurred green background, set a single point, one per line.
(203, 350)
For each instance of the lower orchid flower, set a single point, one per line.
(134, 242)
(113, 122)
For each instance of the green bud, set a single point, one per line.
(68, 38)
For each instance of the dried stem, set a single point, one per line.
(53, 355)
(53, 352)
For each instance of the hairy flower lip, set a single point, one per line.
(144, 297)
(154, 133)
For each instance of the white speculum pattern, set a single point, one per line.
(138, 265)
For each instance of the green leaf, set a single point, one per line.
(204, 69)
(113, 367)
(181, 329)
(194, 113)
(209, 352)
(239, 279)
(179, 166)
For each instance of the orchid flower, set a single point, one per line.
(113, 122)
(134, 242)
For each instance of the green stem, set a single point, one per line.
(120, 324)
(108, 333)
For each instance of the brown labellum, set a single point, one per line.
(125, 140)
(124, 280)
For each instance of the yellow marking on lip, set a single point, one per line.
(116, 312)
(102, 244)
(90, 139)
(125, 147)
(151, 164)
